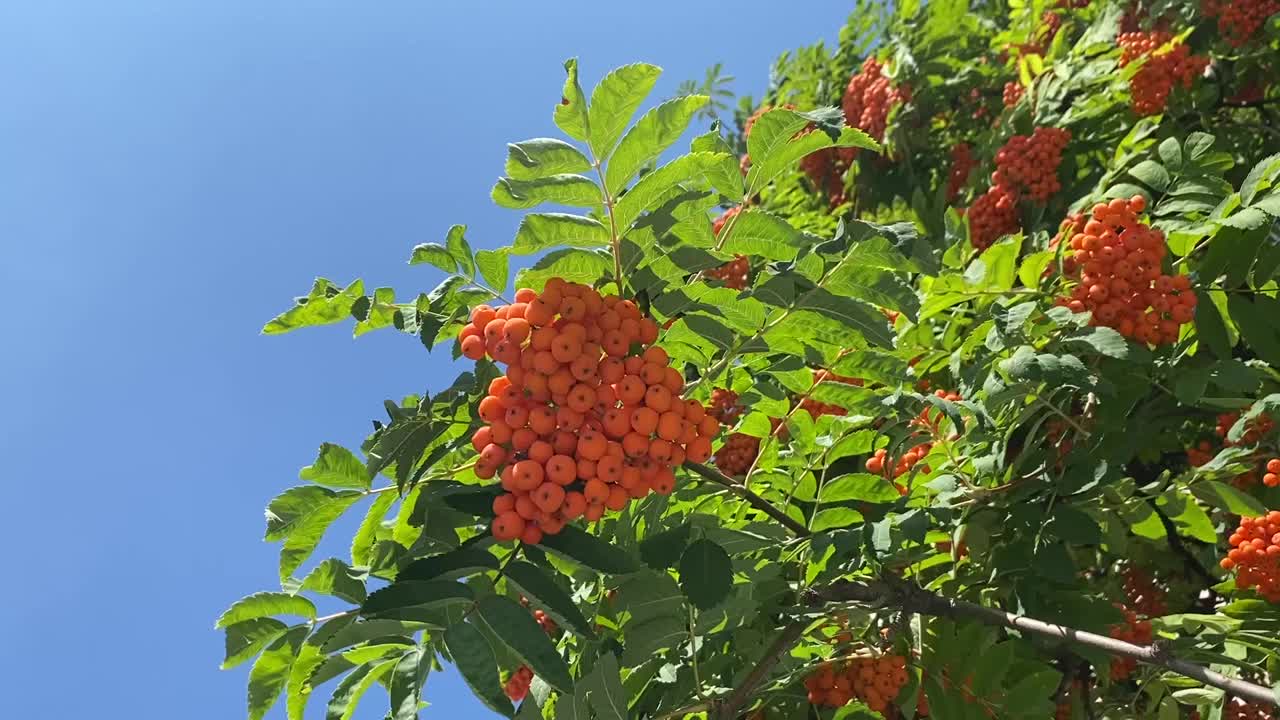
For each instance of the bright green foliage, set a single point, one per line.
(975, 438)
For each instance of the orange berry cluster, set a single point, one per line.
(733, 273)
(1239, 20)
(962, 163)
(1201, 453)
(1237, 709)
(1013, 92)
(1121, 279)
(1028, 164)
(544, 620)
(1255, 555)
(873, 681)
(826, 168)
(1150, 87)
(1134, 630)
(1258, 427)
(817, 409)
(879, 464)
(930, 419)
(993, 215)
(737, 454)
(1142, 591)
(588, 415)
(517, 686)
(724, 406)
(1271, 478)
(869, 97)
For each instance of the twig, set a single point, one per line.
(1179, 547)
(756, 501)
(913, 599)
(727, 709)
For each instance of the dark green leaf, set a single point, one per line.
(706, 573)
(604, 689)
(448, 566)
(1210, 327)
(405, 684)
(1152, 174)
(1228, 498)
(1257, 327)
(353, 687)
(661, 550)
(245, 639)
(400, 596)
(590, 551)
(541, 589)
(520, 632)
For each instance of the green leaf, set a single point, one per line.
(405, 684)
(476, 663)
(291, 507)
(615, 100)
(353, 687)
(542, 157)
(661, 550)
(1171, 154)
(493, 268)
(539, 231)
(571, 112)
(305, 535)
(757, 233)
(394, 599)
(656, 185)
(650, 595)
(1104, 341)
(244, 639)
(706, 573)
(337, 466)
(774, 145)
(573, 265)
(401, 444)
(434, 254)
(863, 487)
(852, 314)
(535, 585)
(324, 305)
(831, 518)
(604, 689)
(1250, 218)
(1257, 327)
(1259, 178)
(520, 632)
(266, 604)
(1226, 497)
(271, 671)
(565, 189)
(1210, 326)
(366, 630)
(590, 551)
(449, 566)
(460, 250)
(656, 131)
(367, 534)
(334, 577)
(1152, 174)
(878, 287)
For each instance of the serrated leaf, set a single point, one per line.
(492, 265)
(1210, 326)
(538, 587)
(520, 632)
(266, 604)
(401, 596)
(449, 566)
(571, 111)
(539, 231)
(291, 507)
(270, 673)
(706, 573)
(324, 305)
(1226, 497)
(1171, 154)
(334, 577)
(1152, 174)
(564, 189)
(604, 689)
(871, 324)
(1257, 327)
(1260, 177)
(336, 466)
(1250, 218)
(367, 533)
(542, 157)
(366, 630)
(245, 639)
(757, 233)
(305, 535)
(345, 698)
(656, 185)
(615, 100)
(434, 254)
(590, 551)
(460, 250)
(1104, 341)
(652, 134)
(661, 550)
(405, 686)
(572, 265)
(863, 487)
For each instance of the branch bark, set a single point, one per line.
(1180, 548)
(913, 599)
(727, 709)
(796, 527)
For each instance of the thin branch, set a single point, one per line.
(1179, 548)
(913, 599)
(727, 709)
(759, 503)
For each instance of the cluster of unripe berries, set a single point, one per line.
(873, 681)
(962, 163)
(735, 272)
(1237, 709)
(1134, 630)
(1239, 20)
(868, 98)
(517, 686)
(1255, 555)
(1149, 89)
(1121, 277)
(1142, 592)
(589, 414)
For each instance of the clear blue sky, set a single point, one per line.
(172, 172)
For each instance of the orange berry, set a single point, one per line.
(507, 526)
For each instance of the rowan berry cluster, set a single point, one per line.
(735, 272)
(873, 681)
(1255, 555)
(1200, 453)
(826, 168)
(1239, 20)
(879, 463)
(962, 163)
(751, 121)
(1013, 92)
(1121, 279)
(1151, 86)
(1237, 709)
(1142, 592)
(588, 415)
(993, 215)
(869, 97)
(930, 419)
(817, 409)
(737, 454)
(1271, 478)
(1134, 630)
(517, 686)
(1255, 431)
(544, 620)
(1028, 164)
(724, 406)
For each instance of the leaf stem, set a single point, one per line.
(796, 528)
(615, 240)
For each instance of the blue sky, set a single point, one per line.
(172, 173)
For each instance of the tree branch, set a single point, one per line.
(727, 709)
(914, 599)
(1179, 548)
(759, 503)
